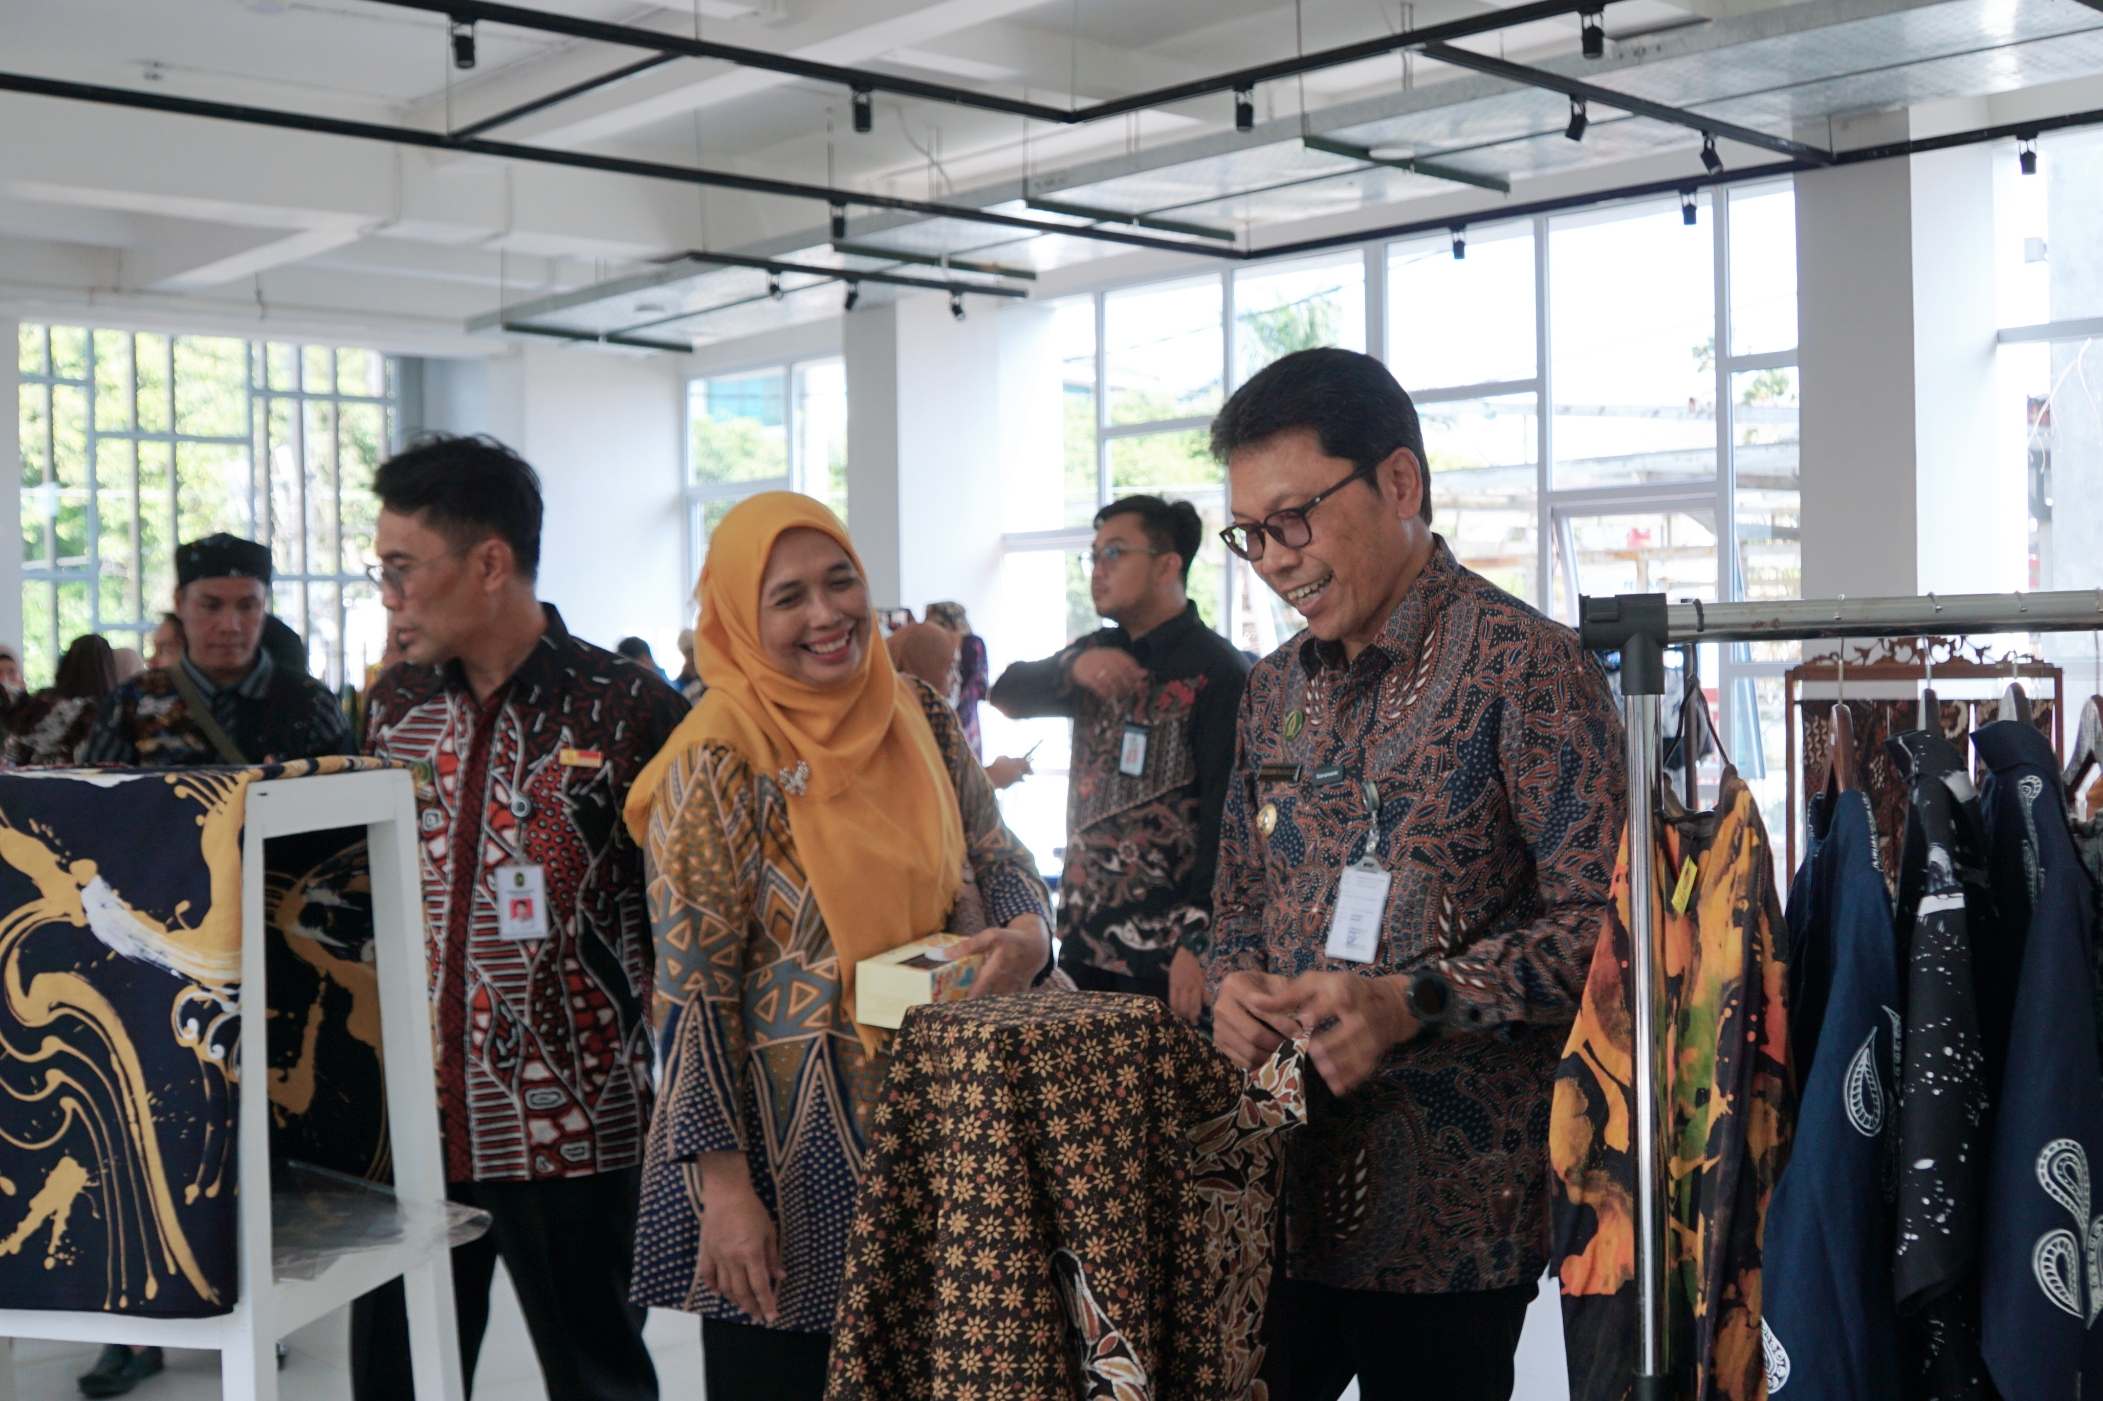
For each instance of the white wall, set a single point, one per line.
(606, 433)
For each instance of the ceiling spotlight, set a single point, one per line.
(1460, 242)
(1244, 109)
(1687, 211)
(1578, 120)
(839, 222)
(463, 32)
(956, 305)
(1710, 161)
(864, 111)
(774, 286)
(854, 294)
(2026, 154)
(1593, 28)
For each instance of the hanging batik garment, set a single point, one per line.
(2041, 1256)
(1725, 1030)
(1070, 1194)
(1828, 1317)
(120, 982)
(1958, 984)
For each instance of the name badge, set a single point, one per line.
(1361, 899)
(522, 902)
(1131, 756)
(580, 758)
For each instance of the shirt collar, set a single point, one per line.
(539, 668)
(1168, 634)
(254, 686)
(1401, 639)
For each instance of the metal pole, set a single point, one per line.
(2069, 610)
(1642, 686)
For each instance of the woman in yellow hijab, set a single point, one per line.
(815, 809)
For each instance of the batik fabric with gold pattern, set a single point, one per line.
(120, 983)
(756, 1056)
(1725, 1033)
(1072, 1194)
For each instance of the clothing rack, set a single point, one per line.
(1641, 626)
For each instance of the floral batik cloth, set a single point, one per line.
(1071, 1194)
(1726, 1034)
(120, 1017)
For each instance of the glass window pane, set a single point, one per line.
(29, 351)
(1668, 552)
(360, 372)
(1763, 270)
(211, 386)
(1764, 463)
(1048, 417)
(1181, 466)
(112, 381)
(1164, 351)
(821, 432)
(1297, 306)
(1039, 613)
(69, 352)
(739, 428)
(149, 358)
(1457, 321)
(320, 369)
(1632, 321)
(1483, 486)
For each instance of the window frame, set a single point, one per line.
(701, 495)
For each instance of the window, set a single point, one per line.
(133, 442)
(779, 429)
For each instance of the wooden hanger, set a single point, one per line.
(1930, 703)
(1840, 768)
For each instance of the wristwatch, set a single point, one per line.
(1429, 998)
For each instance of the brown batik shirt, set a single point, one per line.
(1491, 738)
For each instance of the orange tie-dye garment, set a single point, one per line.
(1732, 1096)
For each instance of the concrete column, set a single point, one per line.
(869, 349)
(11, 511)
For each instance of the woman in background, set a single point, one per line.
(974, 674)
(935, 655)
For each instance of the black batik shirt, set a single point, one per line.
(273, 715)
(1140, 849)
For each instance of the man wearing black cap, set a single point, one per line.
(225, 701)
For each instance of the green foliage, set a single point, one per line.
(1278, 331)
(738, 450)
(1770, 387)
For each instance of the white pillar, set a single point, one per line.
(869, 349)
(11, 494)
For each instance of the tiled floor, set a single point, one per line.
(319, 1367)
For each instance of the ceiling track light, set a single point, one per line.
(1688, 212)
(2026, 153)
(1593, 29)
(1245, 109)
(864, 111)
(1579, 120)
(1710, 161)
(854, 294)
(463, 34)
(956, 305)
(774, 286)
(839, 222)
(1460, 242)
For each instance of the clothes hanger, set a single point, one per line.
(1930, 703)
(2087, 752)
(1840, 765)
(2015, 701)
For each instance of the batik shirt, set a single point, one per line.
(272, 715)
(758, 1058)
(543, 1051)
(1141, 848)
(1492, 741)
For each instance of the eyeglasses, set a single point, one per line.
(393, 578)
(1112, 553)
(1289, 527)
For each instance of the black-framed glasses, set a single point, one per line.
(391, 578)
(1113, 552)
(1289, 527)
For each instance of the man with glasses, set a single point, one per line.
(523, 741)
(1153, 701)
(1415, 863)
(223, 699)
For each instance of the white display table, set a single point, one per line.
(267, 1308)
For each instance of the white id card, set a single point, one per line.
(1361, 898)
(522, 903)
(1131, 758)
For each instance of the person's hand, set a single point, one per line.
(1014, 952)
(1236, 1028)
(1186, 986)
(1108, 673)
(740, 1249)
(1005, 772)
(1355, 1021)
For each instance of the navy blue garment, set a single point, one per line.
(1830, 1325)
(1810, 941)
(2041, 1267)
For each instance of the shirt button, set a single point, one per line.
(431, 819)
(522, 807)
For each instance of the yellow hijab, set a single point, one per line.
(875, 821)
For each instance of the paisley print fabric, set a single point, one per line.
(1491, 739)
(543, 1050)
(756, 1055)
(1726, 1035)
(120, 1019)
(1069, 1196)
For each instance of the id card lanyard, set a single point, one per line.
(1361, 893)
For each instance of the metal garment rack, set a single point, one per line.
(1641, 626)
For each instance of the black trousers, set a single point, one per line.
(742, 1362)
(1091, 979)
(568, 1245)
(1401, 1347)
